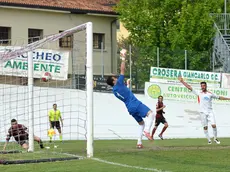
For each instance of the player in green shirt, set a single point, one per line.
(54, 119)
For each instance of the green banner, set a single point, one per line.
(179, 93)
(55, 62)
(167, 75)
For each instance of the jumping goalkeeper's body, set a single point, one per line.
(135, 107)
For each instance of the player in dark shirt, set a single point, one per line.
(19, 132)
(160, 117)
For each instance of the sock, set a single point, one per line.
(206, 134)
(60, 137)
(154, 130)
(149, 122)
(141, 129)
(163, 130)
(215, 133)
(40, 143)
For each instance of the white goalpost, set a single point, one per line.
(89, 83)
(30, 103)
(30, 100)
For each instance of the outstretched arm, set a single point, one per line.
(61, 121)
(219, 97)
(224, 98)
(4, 147)
(49, 116)
(184, 83)
(158, 109)
(122, 56)
(7, 140)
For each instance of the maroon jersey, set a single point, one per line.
(160, 112)
(18, 132)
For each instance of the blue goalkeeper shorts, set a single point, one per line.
(140, 112)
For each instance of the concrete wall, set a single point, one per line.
(111, 118)
(20, 20)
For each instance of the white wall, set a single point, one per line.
(110, 115)
(183, 118)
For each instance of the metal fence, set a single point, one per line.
(139, 73)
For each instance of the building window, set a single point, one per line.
(66, 42)
(34, 35)
(98, 38)
(5, 35)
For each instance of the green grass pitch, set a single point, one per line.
(175, 155)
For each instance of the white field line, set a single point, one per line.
(116, 164)
(128, 166)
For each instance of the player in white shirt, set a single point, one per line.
(128, 83)
(206, 112)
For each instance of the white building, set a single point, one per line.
(26, 21)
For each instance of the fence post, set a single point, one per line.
(185, 59)
(225, 17)
(158, 57)
(213, 61)
(102, 60)
(130, 66)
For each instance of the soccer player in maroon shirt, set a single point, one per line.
(160, 117)
(20, 134)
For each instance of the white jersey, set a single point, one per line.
(205, 100)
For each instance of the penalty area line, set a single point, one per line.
(128, 166)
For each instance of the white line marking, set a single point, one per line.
(114, 163)
(128, 166)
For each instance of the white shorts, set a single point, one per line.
(207, 118)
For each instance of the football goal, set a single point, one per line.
(46, 114)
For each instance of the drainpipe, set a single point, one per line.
(112, 45)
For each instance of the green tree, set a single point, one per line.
(141, 61)
(172, 25)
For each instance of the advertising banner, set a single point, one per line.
(179, 92)
(44, 60)
(167, 75)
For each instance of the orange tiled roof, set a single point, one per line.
(100, 6)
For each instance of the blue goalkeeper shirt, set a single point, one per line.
(123, 93)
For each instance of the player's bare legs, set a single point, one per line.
(207, 134)
(154, 130)
(149, 122)
(25, 146)
(141, 130)
(215, 134)
(163, 130)
(60, 134)
(37, 139)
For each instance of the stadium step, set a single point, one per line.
(227, 39)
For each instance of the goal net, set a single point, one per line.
(35, 76)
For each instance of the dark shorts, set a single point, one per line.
(55, 124)
(23, 139)
(160, 120)
(141, 112)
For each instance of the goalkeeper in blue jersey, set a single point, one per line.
(135, 107)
